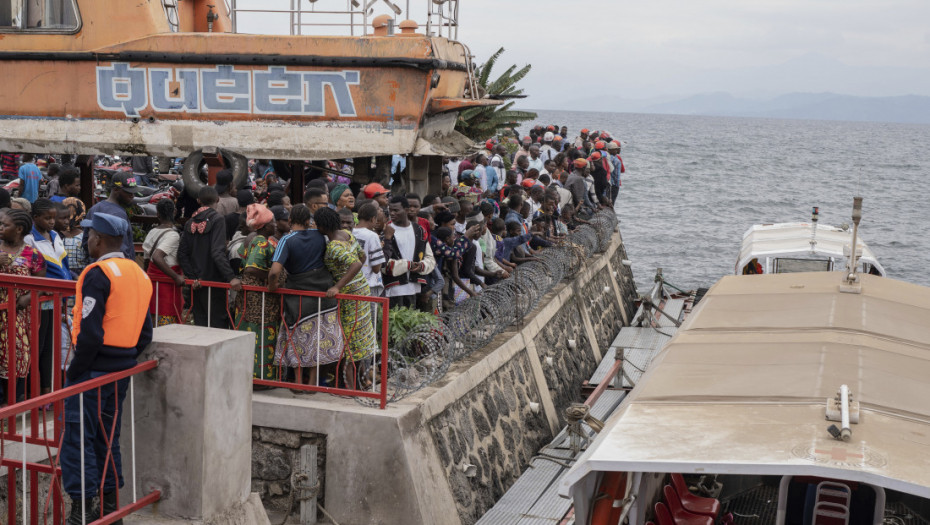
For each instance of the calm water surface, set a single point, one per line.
(694, 185)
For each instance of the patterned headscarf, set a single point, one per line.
(78, 211)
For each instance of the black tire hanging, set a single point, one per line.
(194, 181)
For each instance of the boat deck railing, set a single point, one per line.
(342, 17)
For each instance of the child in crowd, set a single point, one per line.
(507, 246)
(46, 241)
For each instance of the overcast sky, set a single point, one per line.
(645, 48)
(671, 48)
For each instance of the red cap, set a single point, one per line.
(527, 139)
(528, 183)
(550, 128)
(584, 130)
(557, 138)
(373, 190)
(580, 163)
(605, 135)
(596, 155)
(489, 144)
(600, 145)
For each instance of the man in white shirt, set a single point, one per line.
(408, 254)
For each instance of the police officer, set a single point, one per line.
(111, 328)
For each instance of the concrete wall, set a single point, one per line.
(494, 409)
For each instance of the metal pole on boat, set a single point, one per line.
(856, 217)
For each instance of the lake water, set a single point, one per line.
(695, 184)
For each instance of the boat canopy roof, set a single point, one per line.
(792, 239)
(742, 387)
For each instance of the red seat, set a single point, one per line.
(679, 514)
(663, 516)
(692, 502)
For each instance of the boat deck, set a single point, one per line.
(533, 499)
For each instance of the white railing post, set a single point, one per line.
(132, 431)
(83, 488)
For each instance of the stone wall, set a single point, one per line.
(603, 308)
(564, 367)
(495, 429)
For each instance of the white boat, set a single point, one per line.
(791, 247)
(789, 398)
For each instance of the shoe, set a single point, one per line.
(90, 512)
(110, 505)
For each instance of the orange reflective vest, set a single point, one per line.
(127, 304)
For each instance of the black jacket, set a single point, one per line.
(202, 250)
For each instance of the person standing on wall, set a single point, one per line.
(111, 328)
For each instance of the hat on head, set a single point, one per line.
(557, 138)
(126, 182)
(257, 216)
(548, 136)
(489, 144)
(580, 163)
(613, 145)
(605, 135)
(600, 145)
(107, 224)
(280, 213)
(550, 128)
(223, 179)
(584, 131)
(466, 174)
(596, 155)
(527, 139)
(528, 183)
(374, 189)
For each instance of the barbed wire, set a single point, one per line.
(427, 352)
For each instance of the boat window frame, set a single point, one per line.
(21, 30)
(829, 260)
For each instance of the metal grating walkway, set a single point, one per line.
(533, 499)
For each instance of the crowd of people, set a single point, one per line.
(496, 209)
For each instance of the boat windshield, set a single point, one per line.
(789, 265)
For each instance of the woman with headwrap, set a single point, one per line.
(342, 197)
(259, 312)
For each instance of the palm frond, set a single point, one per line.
(483, 122)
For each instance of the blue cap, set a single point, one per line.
(107, 224)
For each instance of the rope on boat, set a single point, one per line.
(576, 414)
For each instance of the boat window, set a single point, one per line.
(785, 265)
(41, 16)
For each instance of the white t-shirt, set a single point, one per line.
(479, 255)
(406, 242)
(374, 256)
(168, 240)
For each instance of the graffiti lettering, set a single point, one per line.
(224, 89)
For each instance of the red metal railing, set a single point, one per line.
(220, 299)
(52, 442)
(41, 414)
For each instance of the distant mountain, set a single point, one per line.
(817, 106)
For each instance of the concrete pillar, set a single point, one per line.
(193, 425)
